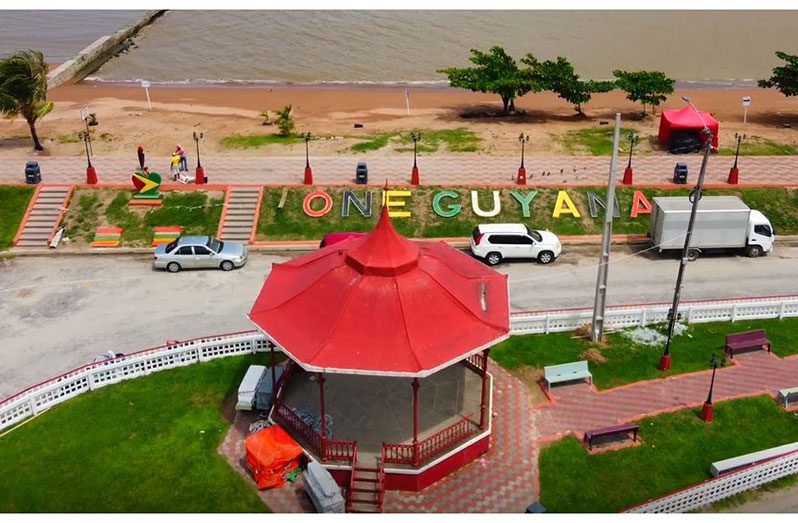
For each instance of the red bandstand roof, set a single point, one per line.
(383, 305)
(686, 119)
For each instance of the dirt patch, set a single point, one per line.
(531, 377)
(85, 213)
(593, 355)
(229, 407)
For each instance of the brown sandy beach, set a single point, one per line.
(332, 111)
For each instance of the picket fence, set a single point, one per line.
(724, 486)
(624, 316)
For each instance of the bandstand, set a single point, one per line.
(388, 343)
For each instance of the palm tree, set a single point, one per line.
(284, 121)
(23, 89)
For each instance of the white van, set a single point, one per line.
(494, 242)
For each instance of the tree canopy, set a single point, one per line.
(647, 87)
(784, 77)
(560, 77)
(495, 72)
(23, 89)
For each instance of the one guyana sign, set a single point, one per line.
(148, 186)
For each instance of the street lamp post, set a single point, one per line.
(199, 177)
(521, 180)
(414, 178)
(708, 410)
(695, 197)
(91, 172)
(308, 171)
(628, 174)
(734, 173)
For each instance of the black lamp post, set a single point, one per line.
(740, 138)
(308, 171)
(524, 139)
(197, 138)
(86, 137)
(708, 410)
(633, 139)
(415, 137)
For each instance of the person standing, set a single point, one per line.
(140, 153)
(183, 158)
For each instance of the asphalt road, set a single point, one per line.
(59, 312)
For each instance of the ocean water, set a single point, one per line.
(732, 47)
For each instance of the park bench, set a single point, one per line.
(741, 341)
(626, 428)
(566, 372)
(732, 464)
(786, 394)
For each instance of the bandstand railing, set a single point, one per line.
(431, 447)
(475, 362)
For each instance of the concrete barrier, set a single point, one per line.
(92, 57)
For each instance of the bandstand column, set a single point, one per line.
(323, 449)
(483, 406)
(274, 371)
(415, 421)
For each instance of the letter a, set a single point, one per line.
(497, 205)
(640, 204)
(565, 205)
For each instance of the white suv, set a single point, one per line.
(495, 241)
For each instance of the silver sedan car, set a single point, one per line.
(199, 252)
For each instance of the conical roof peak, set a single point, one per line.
(384, 252)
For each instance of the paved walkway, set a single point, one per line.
(435, 170)
(581, 407)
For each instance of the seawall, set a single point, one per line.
(92, 57)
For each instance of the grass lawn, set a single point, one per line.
(146, 445)
(13, 204)
(759, 146)
(677, 450)
(290, 223)
(454, 140)
(241, 141)
(597, 141)
(622, 361)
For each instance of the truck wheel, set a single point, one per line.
(173, 267)
(493, 258)
(754, 251)
(546, 257)
(692, 254)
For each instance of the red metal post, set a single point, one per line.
(415, 422)
(521, 179)
(483, 407)
(91, 175)
(414, 178)
(323, 449)
(628, 176)
(199, 175)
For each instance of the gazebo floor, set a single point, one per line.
(376, 409)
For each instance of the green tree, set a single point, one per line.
(23, 89)
(785, 77)
(647, 87)
(284, 121)
(559, 77)
(495, 72)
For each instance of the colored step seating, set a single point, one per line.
(165, 235)
(107, 237)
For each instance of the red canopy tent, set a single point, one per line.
(383, 305)
(686, 119)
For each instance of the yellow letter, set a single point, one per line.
(565, 205)
(387, 201)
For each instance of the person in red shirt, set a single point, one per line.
(140, 153)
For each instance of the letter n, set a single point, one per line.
(350, 199)
(594, 201)
(640, 204)
(565, 205)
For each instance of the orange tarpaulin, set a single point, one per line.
(271, 452)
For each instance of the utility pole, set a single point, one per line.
(600, 303)
(695, 197)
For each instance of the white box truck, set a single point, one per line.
(721, 222)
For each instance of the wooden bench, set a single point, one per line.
(786, 394)
(626, 428)
(742, 341)
(566, 372)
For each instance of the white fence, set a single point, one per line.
(95, 375)
(621, 317)
(723, 486)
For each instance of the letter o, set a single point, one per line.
(328, 203)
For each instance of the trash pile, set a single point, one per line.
(651, 337)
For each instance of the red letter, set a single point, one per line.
(312, 196)
(640, 204)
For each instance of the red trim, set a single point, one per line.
(224, 211)
(31, 204)
(257, 216)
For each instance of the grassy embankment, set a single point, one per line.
(196, 211)
(146, 445)
(621, 361)
(677, 450)
(13, 204)
(290, 222)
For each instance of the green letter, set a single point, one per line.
(525, 201)
(454, 208)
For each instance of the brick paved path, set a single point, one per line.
(452, 170)
(578, 408)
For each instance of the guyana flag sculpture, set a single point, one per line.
(148, 186)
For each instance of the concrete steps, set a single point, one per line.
(44, 218)
(240, 214)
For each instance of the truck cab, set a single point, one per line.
(760, 236)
